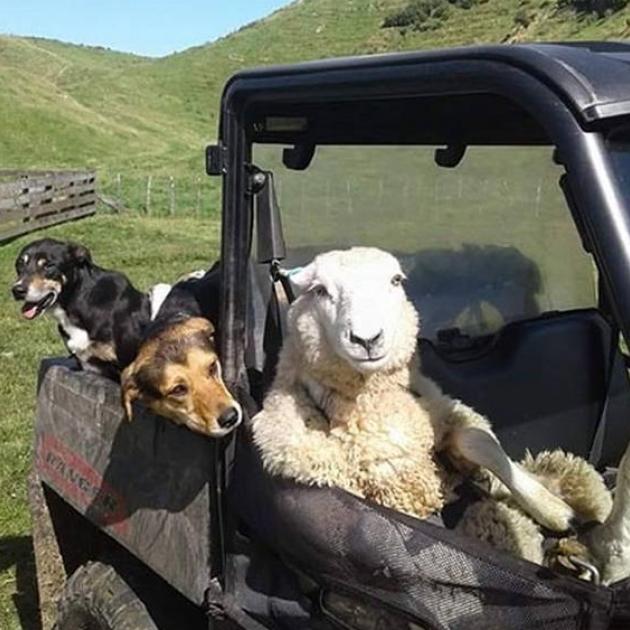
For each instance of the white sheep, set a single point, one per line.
(349, 407)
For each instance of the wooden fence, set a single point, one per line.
(30, 200)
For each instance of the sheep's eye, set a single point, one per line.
(397, 280)
(178, 390)
(320, 291)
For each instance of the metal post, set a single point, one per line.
(198, 196)
(148, 203)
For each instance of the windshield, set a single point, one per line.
(485, 243)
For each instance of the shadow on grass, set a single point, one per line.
(18, 551)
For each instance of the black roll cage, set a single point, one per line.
(562, 107)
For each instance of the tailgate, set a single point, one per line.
(145, 483)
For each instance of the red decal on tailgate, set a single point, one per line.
(72, 476)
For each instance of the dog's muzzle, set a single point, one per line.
(229, 418)
(19, 291)
(30, 310)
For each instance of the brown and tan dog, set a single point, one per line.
(177, 375)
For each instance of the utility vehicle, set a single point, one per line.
(500, 175)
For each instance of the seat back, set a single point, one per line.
(542, 383)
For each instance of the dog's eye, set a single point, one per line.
(178, 390)
(213, 368)
(397, 279)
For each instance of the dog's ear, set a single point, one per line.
(129, 390)
(80, 254)
(210, 329)
(200, 325)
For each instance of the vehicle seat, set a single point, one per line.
(542, 383)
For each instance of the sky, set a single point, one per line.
(146, 27)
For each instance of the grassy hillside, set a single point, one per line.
(72, 106)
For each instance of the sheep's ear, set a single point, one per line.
(129, 390)
(302, 278)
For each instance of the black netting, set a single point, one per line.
(427, 572)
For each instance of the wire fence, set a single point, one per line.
(161, 195)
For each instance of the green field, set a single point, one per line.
(75, 106)
(115, 241)
(133, 117)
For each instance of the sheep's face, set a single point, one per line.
(354, 303)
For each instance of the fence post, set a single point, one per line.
(172, 193)
(350, 209)
(198, 196)
(149, 195)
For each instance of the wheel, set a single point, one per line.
(95, 597)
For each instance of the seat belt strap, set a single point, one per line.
(275, 322)
(272, 337)
(597, 444)
(278, 275)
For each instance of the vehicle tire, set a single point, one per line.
(96, 597)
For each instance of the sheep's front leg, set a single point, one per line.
(467, 439)
(483, 449)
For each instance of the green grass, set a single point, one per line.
(118, 242)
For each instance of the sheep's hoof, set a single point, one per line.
(556, 516)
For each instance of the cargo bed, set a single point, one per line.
(145, 483)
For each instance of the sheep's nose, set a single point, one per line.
(228, 418)
(368, 344)
(19, 291)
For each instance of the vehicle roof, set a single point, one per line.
(592, 77)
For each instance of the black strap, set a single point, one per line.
(597, 444)
(272, 338)
(277, 275)
(281, 295)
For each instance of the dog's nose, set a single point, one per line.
(368, 344)
(228, 418)
(19, 291)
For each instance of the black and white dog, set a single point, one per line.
(196, 294)
(102, 318)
